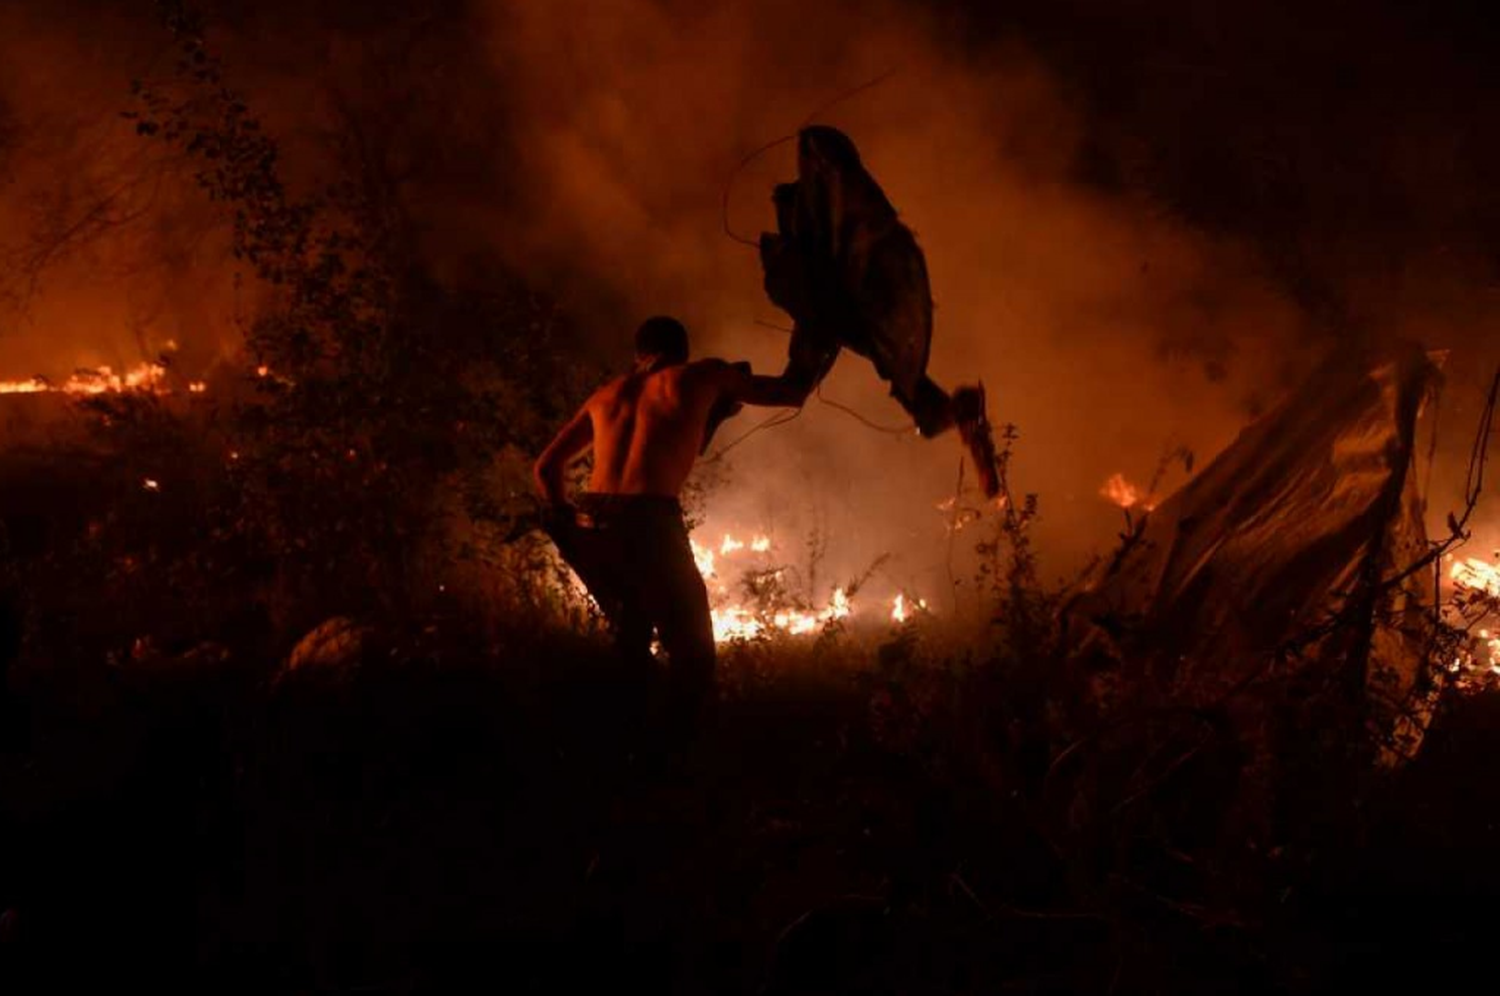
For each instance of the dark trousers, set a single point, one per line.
(632, 553)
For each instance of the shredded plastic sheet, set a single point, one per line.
(852, 276)
(845, 267)
(1273, 538)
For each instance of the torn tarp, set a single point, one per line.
(1282, 559)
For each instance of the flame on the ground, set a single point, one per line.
(145, 377)
(736, 620)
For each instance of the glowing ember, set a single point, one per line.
(150, 484)
(760, 544)
(197, 387)
(1120, 491)
(262, 370)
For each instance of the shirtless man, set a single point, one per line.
(625, 536)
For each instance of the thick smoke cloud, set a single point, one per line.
(1140, 225)
(1078, 310)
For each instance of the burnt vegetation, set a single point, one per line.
(436, 789)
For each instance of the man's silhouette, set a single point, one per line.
(624, 536)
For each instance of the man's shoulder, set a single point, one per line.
(696, 373)
(609, 388)
(717, 368)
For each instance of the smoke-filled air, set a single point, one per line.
(1083, 567)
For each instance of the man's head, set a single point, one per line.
(663, 340)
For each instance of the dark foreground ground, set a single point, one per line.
(467, 820)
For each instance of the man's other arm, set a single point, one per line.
(572, 440)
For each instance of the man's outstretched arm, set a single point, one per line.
(551, 466)
(773, 392)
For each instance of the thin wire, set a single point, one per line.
(890, 430)
(782, 418)
(756, 154)
(848, 94)
(729, 187)
(779, 419)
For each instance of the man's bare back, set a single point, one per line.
(646, 428)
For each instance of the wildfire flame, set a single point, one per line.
(145, 377)
(1120, 491)
(1476, 665)
(902, 610)
(734, 620)
(1476, 575)
(704, 559)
